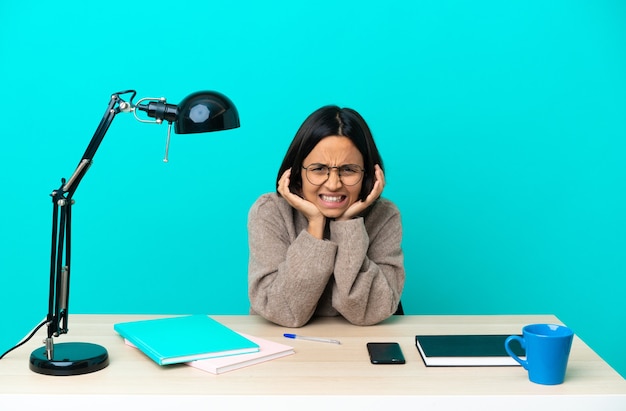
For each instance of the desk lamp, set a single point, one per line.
(199, 112)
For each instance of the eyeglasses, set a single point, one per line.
(349, 174)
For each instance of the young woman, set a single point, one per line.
(325, 243)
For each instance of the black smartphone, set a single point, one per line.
(385, 353)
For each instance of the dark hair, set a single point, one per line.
(331, 121)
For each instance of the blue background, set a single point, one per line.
(502, 126)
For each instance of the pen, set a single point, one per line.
(302, 337)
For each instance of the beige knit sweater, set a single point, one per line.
(356, 272)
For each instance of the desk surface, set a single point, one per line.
(317, 370)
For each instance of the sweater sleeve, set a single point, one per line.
(369, 266)
(287, 270)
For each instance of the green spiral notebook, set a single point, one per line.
(176, 340)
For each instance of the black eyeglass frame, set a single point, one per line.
(338, 168)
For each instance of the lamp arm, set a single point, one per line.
(116, 105)
(60, 256)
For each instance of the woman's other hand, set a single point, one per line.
(316, 219)
(360, 206)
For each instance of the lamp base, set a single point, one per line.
(72, 358)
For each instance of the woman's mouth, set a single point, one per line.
(333, 201)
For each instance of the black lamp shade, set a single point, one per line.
(206, 111)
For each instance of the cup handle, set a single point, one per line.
(512, 354)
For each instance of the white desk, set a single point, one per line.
(326, 376)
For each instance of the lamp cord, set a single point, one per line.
(25, 340)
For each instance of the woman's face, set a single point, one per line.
(333, 197)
